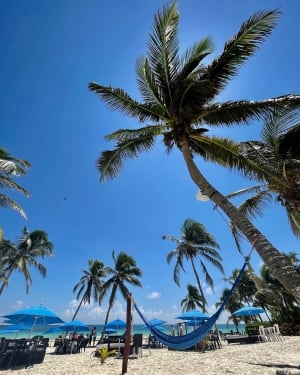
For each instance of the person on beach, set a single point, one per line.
(94, 335)
(180, 329)
(172, 331)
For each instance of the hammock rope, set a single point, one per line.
(192, 338)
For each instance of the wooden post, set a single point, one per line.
(127, 336)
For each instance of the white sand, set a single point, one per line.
(240, 359)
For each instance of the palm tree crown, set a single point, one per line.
(124, 272)
(195, 243)
(11, 167)
(179, 102)
(23, 254)
(279, 152)
(90, 283)
(192, 300)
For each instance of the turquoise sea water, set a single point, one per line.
(137, 328)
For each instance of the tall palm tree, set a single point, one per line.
(179, 97)
(192, 300)
(195, 243)
(124, 271)
(24, 253)
(90, 283)
(276, 152)
(11, 167)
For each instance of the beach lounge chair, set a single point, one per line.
(277, 332)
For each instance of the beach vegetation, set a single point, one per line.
(180, 104)
(23, 254)
(195, 244)
(90, 284)
(10, 168)
(279, 151)
(104, 353)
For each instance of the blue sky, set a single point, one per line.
(50, 51)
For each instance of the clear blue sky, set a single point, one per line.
(50, 51)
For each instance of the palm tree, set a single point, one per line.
(192, 300)
(245, 289)
(231, 306)
(124, 271)
(195, 243)
(9, 168)
(23, 254)
(179, 97)
(274, 298)
(276, 152)
(90, 283)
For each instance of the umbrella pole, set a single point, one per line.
(127, 336)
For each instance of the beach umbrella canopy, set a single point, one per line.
(248, 311)
(116, 324)
(53, 330)
(193, 315)
(74, 325)
(156, 322)
(15, 328)
(109, 331)
(32, 316)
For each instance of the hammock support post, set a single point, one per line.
(127, 336)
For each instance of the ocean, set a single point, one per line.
(137, 328)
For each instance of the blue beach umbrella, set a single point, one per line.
(249, 311)
(74, 325)
(116, 324)
(32, 316)
(15, 328)
(109, 331)
(53, 330)
(194, 315)
(155, 322)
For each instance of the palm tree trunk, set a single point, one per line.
(279, 266)
(204, 301)
(5, 282)
(78, 307)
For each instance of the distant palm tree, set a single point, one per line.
(192, 300)
(23, 254)
(231, 306)
(90, 283)
(245, 288)
(195, 243)
(11, 167)
(278, 151)
(124, 271)
(180, 97)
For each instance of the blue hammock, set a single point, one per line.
(191, 339)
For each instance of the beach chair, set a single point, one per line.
(277, 332)
(262, 334)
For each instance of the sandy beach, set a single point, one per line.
(264, 358)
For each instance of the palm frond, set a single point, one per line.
(243, 111)
(193, 57)
(229, 154)
(5, 201)
(163, 49)
(119, 100)
(125, 134)
(255, 205)
(242, 46)
(110, 163)
(147, 86)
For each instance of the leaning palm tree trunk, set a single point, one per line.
(284, 272)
